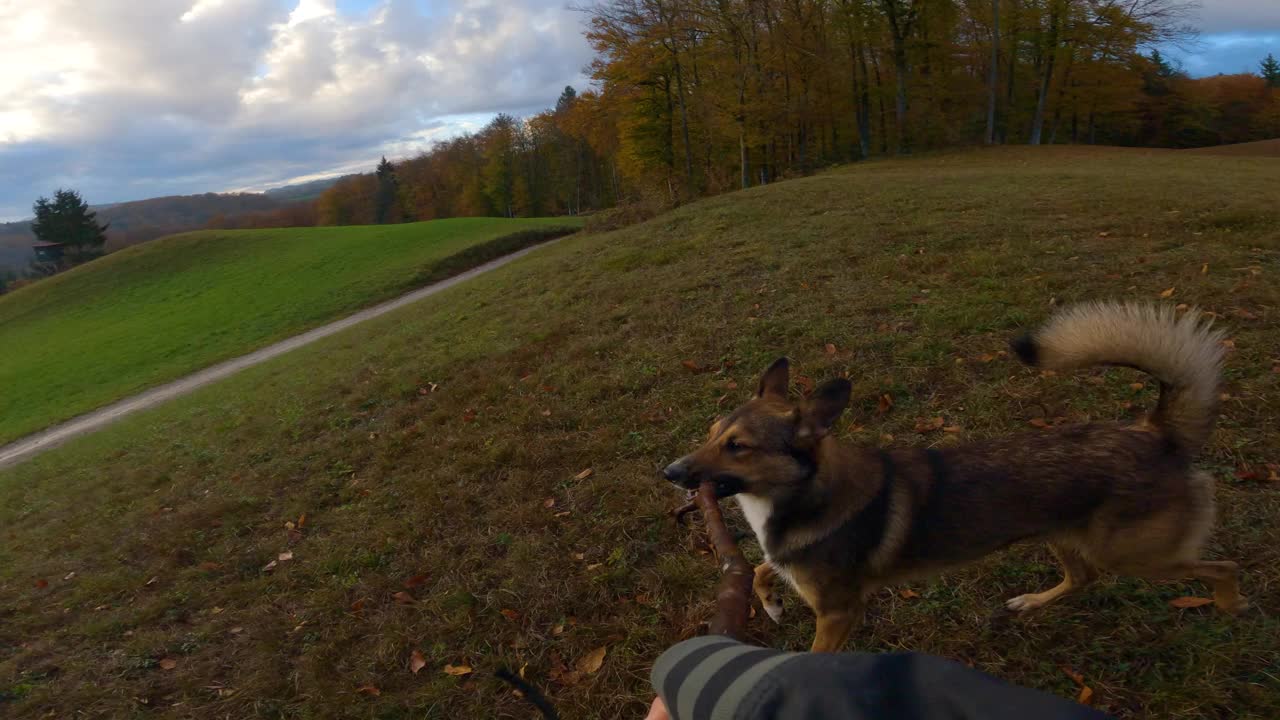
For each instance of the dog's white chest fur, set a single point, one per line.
(757, 511)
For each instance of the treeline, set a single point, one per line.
(701, 96)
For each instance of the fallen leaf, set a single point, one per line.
(510, 614)
(592, 661)
(1190, 602)
(416, 662)
(236, 630)
(285, 556)
(693, 367)
(69, 575)
(1229, 343)
(557, 630)
(209, 566)
(731, 385)
(805, 382)
(584, 474)
(1086, 696)
(358, 605)
(549, 503)
(1167, 293)
(404, 598)
(908, 593)
(522, 669)
(302, 520)
(986, 358)
(564, 513)
(265, 568)
(288, 525)
(929, 425)
(1182, 307)
(155, 579)
(469, 416)
(1104, 233)
(1038, 422)
(216, 611)
(368, 690)
(415, 581)
(42, 583)
(952, 429)
(579, 556)
(886, 438)
(1136, 386)
(885, 404)
(594, 566)
(546, 413)
(1076, 677)
(457, 670)
(831, 349)
(168, 664)
(1204, 269)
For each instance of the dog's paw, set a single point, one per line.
(1023, 603)
(773, 608)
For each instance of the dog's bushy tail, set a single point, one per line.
(1180, 349)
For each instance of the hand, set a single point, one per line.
(658, 711)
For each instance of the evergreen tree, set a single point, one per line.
(67, 219)
(1271, 71)
(388, 193)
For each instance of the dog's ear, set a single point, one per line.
(823, 409)
(776, 380)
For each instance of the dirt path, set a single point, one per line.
(28, 447)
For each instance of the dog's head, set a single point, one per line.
(768, 446)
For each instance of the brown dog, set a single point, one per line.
(841, 522)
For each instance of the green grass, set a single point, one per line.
(158, 311)
(572, 358)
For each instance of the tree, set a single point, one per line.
(387, 197)
(68, 220)
(1271, 71)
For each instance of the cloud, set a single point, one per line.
(1235, 16)
(133, 98)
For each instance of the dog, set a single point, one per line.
(839, 523)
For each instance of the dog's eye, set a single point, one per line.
(734, 446)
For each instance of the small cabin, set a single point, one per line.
(50, 252)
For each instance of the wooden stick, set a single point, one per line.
(733, 597)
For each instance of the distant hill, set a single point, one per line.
(142, 220)
(301, 192)
(131, 223)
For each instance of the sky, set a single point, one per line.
(130, 99)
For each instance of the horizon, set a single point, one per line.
(247, 95)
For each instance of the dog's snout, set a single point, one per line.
(677, 472)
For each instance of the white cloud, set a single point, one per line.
(130, 98)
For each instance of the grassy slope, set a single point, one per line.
(1261, 148)
(158, 311)
(571, 359)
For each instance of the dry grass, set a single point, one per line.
(1261, 148)
(916, 271)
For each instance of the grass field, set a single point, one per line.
(158, 311)
(1261, 148)
(424, 475)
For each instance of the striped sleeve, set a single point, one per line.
(708, 677)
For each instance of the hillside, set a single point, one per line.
(130, 223)
(158, 311)
(1261, 148)
(280, 544)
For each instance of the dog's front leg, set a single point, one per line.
(765, 589)
(834, 628)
